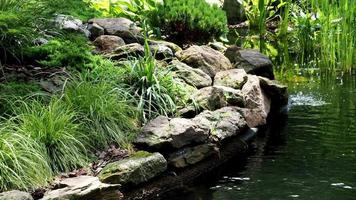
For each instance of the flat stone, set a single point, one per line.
(95, 30)
(192, 76)
(108, 43)
(234, 78)
(84, 187)
(126, 51)
(15, 195)
(138, 168)
(163, 132)
(205, 58)
(191, 155)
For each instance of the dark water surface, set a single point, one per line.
(309, 155)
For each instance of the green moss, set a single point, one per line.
(141, 154)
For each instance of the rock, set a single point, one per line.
(223, 123)
(215, 97)
(175, 48)
(134, 170)
(255, 99)
(84, 187)
(252, 61)
(219, 46)
(163, 132)
(126, 51)
(235, 11)
(122, 27)
(234, 78)
(69, 23)
(15, 195)
(277, 92)
(108, 43)
(205, 58)
(191, 155)
(95, 30)
(161, 51)
(192, 76)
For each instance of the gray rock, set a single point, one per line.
(69, 23)
(84, 188)
(257, 100)
(175, 48)
(122, 27)
(215, 97)
(223, 123)
(205, 58)
(234, 78)
(219, 46)
(126, 51)
(191, 155)
(95, 30)
(252, 61)
(235, 11)
(15, 195)
(161, 51)
(192, 76)
(134, 170)
(276, 91)
(108, 43)
(163, 132)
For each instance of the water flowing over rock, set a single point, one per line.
(215, 97)
(122, 27)
(192, 76)
(234, 78)
(108, 43)
(205, 58)
(252, 61)
(137, 169)
(164, 132)
(15, 195)
(84, 187)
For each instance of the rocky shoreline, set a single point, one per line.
(234, 93)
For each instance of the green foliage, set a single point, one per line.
(185, 21)
(22, 164)
(107, 112)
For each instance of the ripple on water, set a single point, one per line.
(301, 99)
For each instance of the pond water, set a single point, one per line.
(309, 154)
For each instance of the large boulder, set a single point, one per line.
(252, 61)
(95, 30)
(192, 76)
(234, 78)
(215, 97)
(163, 132)
(276, 91)
(257, 101)
(69, 23)
(222, 123)
(122, 27)
(134, 170)
(191, 155)
(15, 195)
(205, 58)
(108, 43)
(123, 52)
(84, 187)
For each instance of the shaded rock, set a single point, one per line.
(84, 188)
(205, 58)
(137, 169)
(277, 92)
(252, 61)
(235, 11)
(122, 27)
(69, 23)
(191, 155)
(234, 78)
(108, 43)
(95, 30)
(175, 48)
(222, 123)
(161, 51)
(164, 132)
(255, 99)
(126, 51)
(215, 97)
(192, 76)
(15, 195)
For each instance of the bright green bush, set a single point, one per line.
(185, 21)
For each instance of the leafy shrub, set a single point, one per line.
(109, 117)
(22, 164)
(185, 21)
